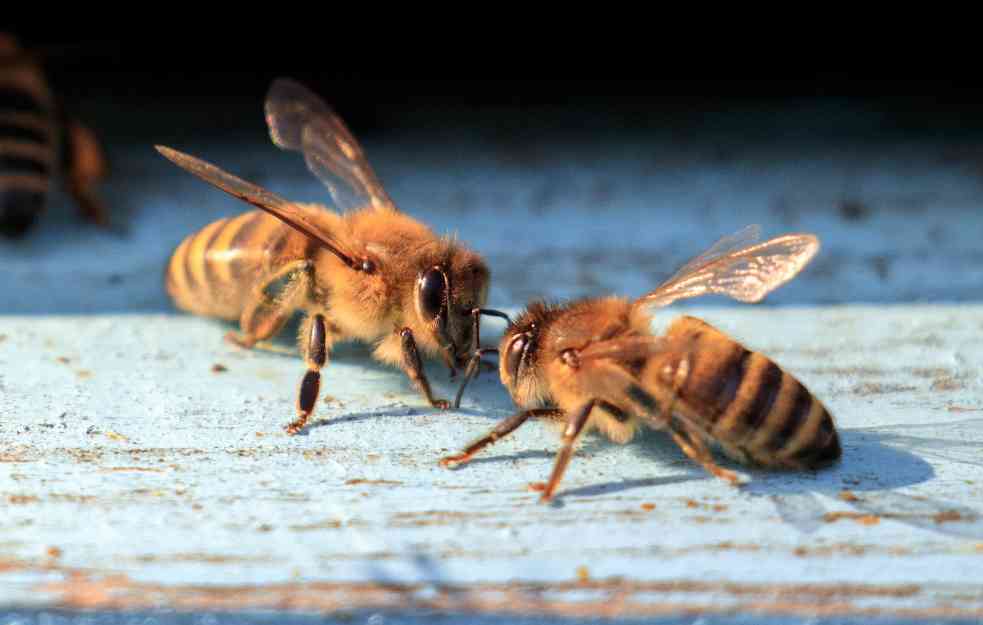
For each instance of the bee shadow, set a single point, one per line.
(610, 488)
(869, 479)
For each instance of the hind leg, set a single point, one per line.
(269, 310)
(684, 432)
(694, 445)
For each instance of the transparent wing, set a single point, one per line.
(625, 349)
(284, 210)
(737, 267)
(300, 120)
(744, 237)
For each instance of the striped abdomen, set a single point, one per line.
(753, 408)
(28, 140)
(216, 270)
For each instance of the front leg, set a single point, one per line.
(413, 367)
(316, 356)
(502, 430)
(474, 364)
(273, 303)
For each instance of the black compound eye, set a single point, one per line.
(514, 356)
(433, 291)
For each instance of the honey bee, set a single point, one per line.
(36, 135)
(369, 273)
(596, 364)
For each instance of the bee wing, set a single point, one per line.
(284, 210)
(738, 267)
(627, 348)
(300, 120)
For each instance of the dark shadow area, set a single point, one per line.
(960, 443)
(609, 488)
(867, 480)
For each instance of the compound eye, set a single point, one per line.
(433, 293)
(513, 359)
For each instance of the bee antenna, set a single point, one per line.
(495, 313)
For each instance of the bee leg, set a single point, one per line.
(475, 361)
(269, 311)
(413, 367)
(575, 423)
(694, 446)
(315, 355)
(502, 430)
(85, 166)
(689, 439)
(474, 364)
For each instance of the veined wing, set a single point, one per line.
(293, 215)
(300, 120)
(738, 267)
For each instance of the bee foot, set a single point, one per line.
(239, 341)
(453, 462)
(295, 427)
(729, 476)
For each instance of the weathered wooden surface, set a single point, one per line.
(134, 476)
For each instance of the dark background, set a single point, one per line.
(374, 89)
(570, 186)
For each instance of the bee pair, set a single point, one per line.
(374, 274)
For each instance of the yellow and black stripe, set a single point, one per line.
(751, 404)
(27, 149)
(216, 270)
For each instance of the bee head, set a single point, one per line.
(444, 296)
(519, 352)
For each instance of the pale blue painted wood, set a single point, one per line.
(133, 457)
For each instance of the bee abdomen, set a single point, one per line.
(747, 402)
(27, 154)
(775, 420)
(213, 271)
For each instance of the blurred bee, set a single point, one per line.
(595, 364)
(371, 274)
(36, 135)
